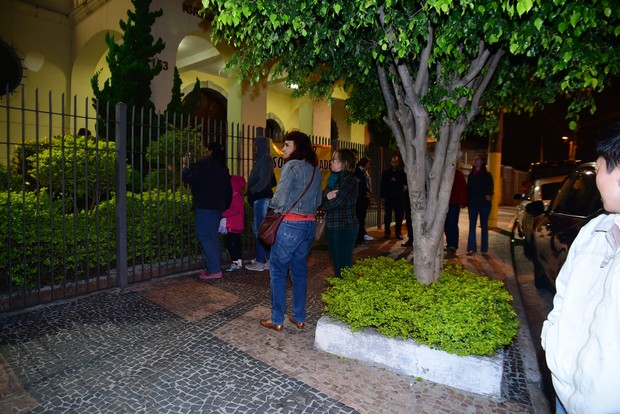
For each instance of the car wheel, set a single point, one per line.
(516, 238)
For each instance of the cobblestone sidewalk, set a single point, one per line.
(182, 345)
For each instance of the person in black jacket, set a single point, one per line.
(364, 197)
(393, 187)
(212, 193)
(260, 191)
(479, 194)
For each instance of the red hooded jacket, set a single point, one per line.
(234, 214)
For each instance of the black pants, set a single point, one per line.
(360, 212)
(397, 206)
(408, 220)
(233, 245)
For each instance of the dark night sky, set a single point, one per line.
(524, 135)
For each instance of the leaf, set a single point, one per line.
(574, 19)
(538, 23)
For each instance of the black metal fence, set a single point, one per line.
(85, 212)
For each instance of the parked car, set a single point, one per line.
(543, 189)
(552, 168)
(554, 229)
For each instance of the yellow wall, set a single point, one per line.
(286, 108)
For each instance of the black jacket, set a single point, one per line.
(210, 182)
(393, 184)
(478, 187)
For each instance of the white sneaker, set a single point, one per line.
(234, 266)
(266, 265)
(368, 237)
(257, 266)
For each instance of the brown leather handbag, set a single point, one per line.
(268, 228)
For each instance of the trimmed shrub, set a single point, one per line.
(44, 246)
(462, 313)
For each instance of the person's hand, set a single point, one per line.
(487, 197)
(332, 194)
(185, 161)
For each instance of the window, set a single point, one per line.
(578, 196)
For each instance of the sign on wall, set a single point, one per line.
(324, 152)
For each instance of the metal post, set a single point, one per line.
(121, 195)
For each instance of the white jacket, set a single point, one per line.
(581, 335)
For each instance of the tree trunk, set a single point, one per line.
(430, 176)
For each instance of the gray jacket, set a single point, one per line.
(293, 180)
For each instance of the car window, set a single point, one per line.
(559, 202)
(579, 196)
(549, 190)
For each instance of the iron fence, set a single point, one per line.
(85, 212)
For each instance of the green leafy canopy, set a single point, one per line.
(426, 68)
(559, 46)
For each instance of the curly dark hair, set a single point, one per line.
(303, 148)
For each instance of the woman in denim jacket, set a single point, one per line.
(296, 233)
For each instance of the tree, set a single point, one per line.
(175, 106)
(192, 100)
(132, 68)
(428, 66)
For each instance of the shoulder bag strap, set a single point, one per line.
(305, 191)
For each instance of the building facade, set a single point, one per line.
(60, 45)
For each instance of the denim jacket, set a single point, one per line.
(293, 180)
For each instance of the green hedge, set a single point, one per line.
(461, 313)
(46, 244)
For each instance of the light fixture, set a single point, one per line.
(34, 61)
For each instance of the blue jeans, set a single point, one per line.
(260, 211)
(340, 244)
(207, 222)
(482, 211)
(451, 228)
(290, 251)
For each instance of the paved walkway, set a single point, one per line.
(182, 345)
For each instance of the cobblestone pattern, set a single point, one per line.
(186, 346)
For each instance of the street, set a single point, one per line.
(538, 303)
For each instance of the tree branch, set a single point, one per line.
(491, 67)
(475, 67)
(421, 83)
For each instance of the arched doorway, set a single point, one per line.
(274, 131)
(210, 108)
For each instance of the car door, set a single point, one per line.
(577, 201)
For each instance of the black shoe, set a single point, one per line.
(386, 236)
(399, 237)
(408, 243)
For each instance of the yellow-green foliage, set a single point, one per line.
(461, 313)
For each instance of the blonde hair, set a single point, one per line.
(346, 158)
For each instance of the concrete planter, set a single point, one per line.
(477, 374)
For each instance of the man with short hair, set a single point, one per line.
(581, 335)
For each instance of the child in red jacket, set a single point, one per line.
(234, 223)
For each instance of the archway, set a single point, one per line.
(210, 108)
(274, 131)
